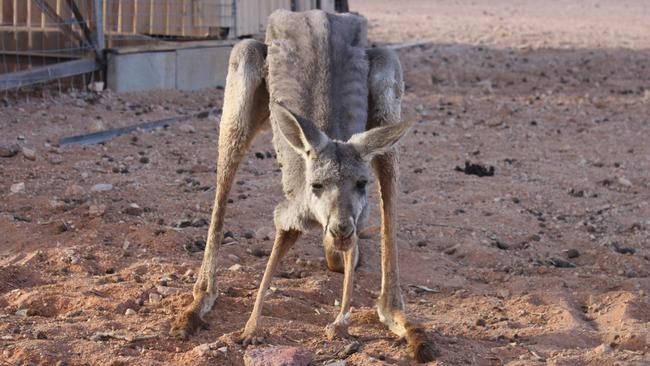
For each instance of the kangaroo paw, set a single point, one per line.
(420, 346)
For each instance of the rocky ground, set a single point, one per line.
(545, 262)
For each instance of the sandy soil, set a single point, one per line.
(546, 262)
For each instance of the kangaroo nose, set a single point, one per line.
(342, 231)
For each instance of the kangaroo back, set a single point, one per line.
(317, 67)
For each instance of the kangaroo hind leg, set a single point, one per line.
(245, 112)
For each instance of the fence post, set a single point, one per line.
(98, 18)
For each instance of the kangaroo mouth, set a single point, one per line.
(341, 243)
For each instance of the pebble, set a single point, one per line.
(129, 312)
(228, 240)
(96, 210)
(624, 250)
(154, 298)
(337, 363)
(167, 291)
(624, 182)
(259, 252)
(133, 209)
(602, 349)
(264, 233)
(560, 263)
(17, 187)
(187, 128)
(29, 154)
(277, 355)
(236, 267)
(101, 187)
(39, 334)
(144, 160)
(572, 253)
(234, 258)
(75, 191)
(9, 151)
(22, 312)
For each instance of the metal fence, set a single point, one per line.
(60, 43)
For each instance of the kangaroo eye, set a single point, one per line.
(316, 186)
(362, 184)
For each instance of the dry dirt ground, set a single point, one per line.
(546, 262)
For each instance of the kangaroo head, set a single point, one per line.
(336, 172)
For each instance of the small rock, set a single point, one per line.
(480, 322)
(154, 298)
(101, 187)
(17, 187)
(624, 182)
(560, 263)
(130, 312)
(144, 160)
(259, 155)
(337, 363)
(572, 253)
(234, 258)
(38, 334)
(349, 349)
(133, 209)
(223, 349)
(200, 222)
(29, 154)
(167, 291)
(75, 191)
(624, 250)
(202, 350)
(277, 355)
(602, 349)
(23, 312)
(422, 243)
(228, 240)
(9, 151)
(264, 233)
(259, 252)
(235, 267)
(187, 128)
(96, 210)
(249, 234)
(501, 245)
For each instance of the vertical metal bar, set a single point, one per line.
(234, 19)
(98, 17)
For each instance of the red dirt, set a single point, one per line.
(556, 98)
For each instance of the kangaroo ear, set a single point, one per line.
(300, 133)
(378, 140)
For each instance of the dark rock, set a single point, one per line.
(572, 253)
(560, 263)
(259, 252)
(623, 250)
(9, 151)
(476, 169)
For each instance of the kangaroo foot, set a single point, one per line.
(420, 346)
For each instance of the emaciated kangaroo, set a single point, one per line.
(334, 108)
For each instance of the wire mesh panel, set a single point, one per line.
(126, 21)
(45, 41)
(37, 34)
